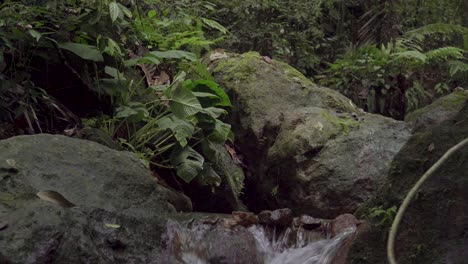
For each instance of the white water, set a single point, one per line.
(303, 251)
(288, 247)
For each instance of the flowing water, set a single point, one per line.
(303, 251)
(257, 244)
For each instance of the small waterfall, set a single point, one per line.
(201, 243)
(303, 251)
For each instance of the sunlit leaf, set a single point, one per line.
(184, 103)
(86, 52)
(114, 11)
(213, 24)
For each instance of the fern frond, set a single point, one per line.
(410, 55)
(457, 66)
(438, 28)
(444, 54)
(199, 70)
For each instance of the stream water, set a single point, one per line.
(257, 244)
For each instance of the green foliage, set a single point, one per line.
(283, 29)
(383, 216)
(389, 79)
(104, 44)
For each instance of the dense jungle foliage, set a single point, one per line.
(131, 70)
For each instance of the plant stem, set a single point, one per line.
(409, 197)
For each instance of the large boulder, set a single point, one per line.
(434, 227)
(120, 211)
(306, 147)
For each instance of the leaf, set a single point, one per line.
(214, 112)
(151, 13)
(207, 86)
(142, 60)
(125, 10)
(208, 176)
(411, 54)
(36, 35)
(114, 73)
(112, 47)
(114, 11)
(213, 24)
(184, 103)
(174, 54)
(181, 128)
(188, 163)
(55, 197)
(84, 51)
(133, 112)
(220, 132)
(112, 226)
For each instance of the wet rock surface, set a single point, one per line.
(120, 214)
(306, 147)
(433, 229)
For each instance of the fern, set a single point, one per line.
(200, 71)
(438, 28)
(457, 66)
(410, 55)
(444, 54)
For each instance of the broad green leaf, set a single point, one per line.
(181, 128)
(221, 131)
(86, 52)
(112, 47)
(174, 54)
(125, 10)
(213, 24)
(114, 11)
(208, 176)
(159, 88)
(207, 86)
(133, 112)
(187, 162)
(184, 103)
(142, 60)
(36, 35)
(114, 73)
(151, 13)
(214, 112)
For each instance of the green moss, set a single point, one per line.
(238, 67)
(333, 102)
(452, 102)
(343, 123)
(294, 74)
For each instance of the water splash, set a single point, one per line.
(195, 244)
(303, 251)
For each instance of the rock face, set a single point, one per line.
(306, 147)
(434, 228)
(107, 187)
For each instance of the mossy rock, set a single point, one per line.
(433, 229)
(307, 147)
(107, 187)
(441, 110)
